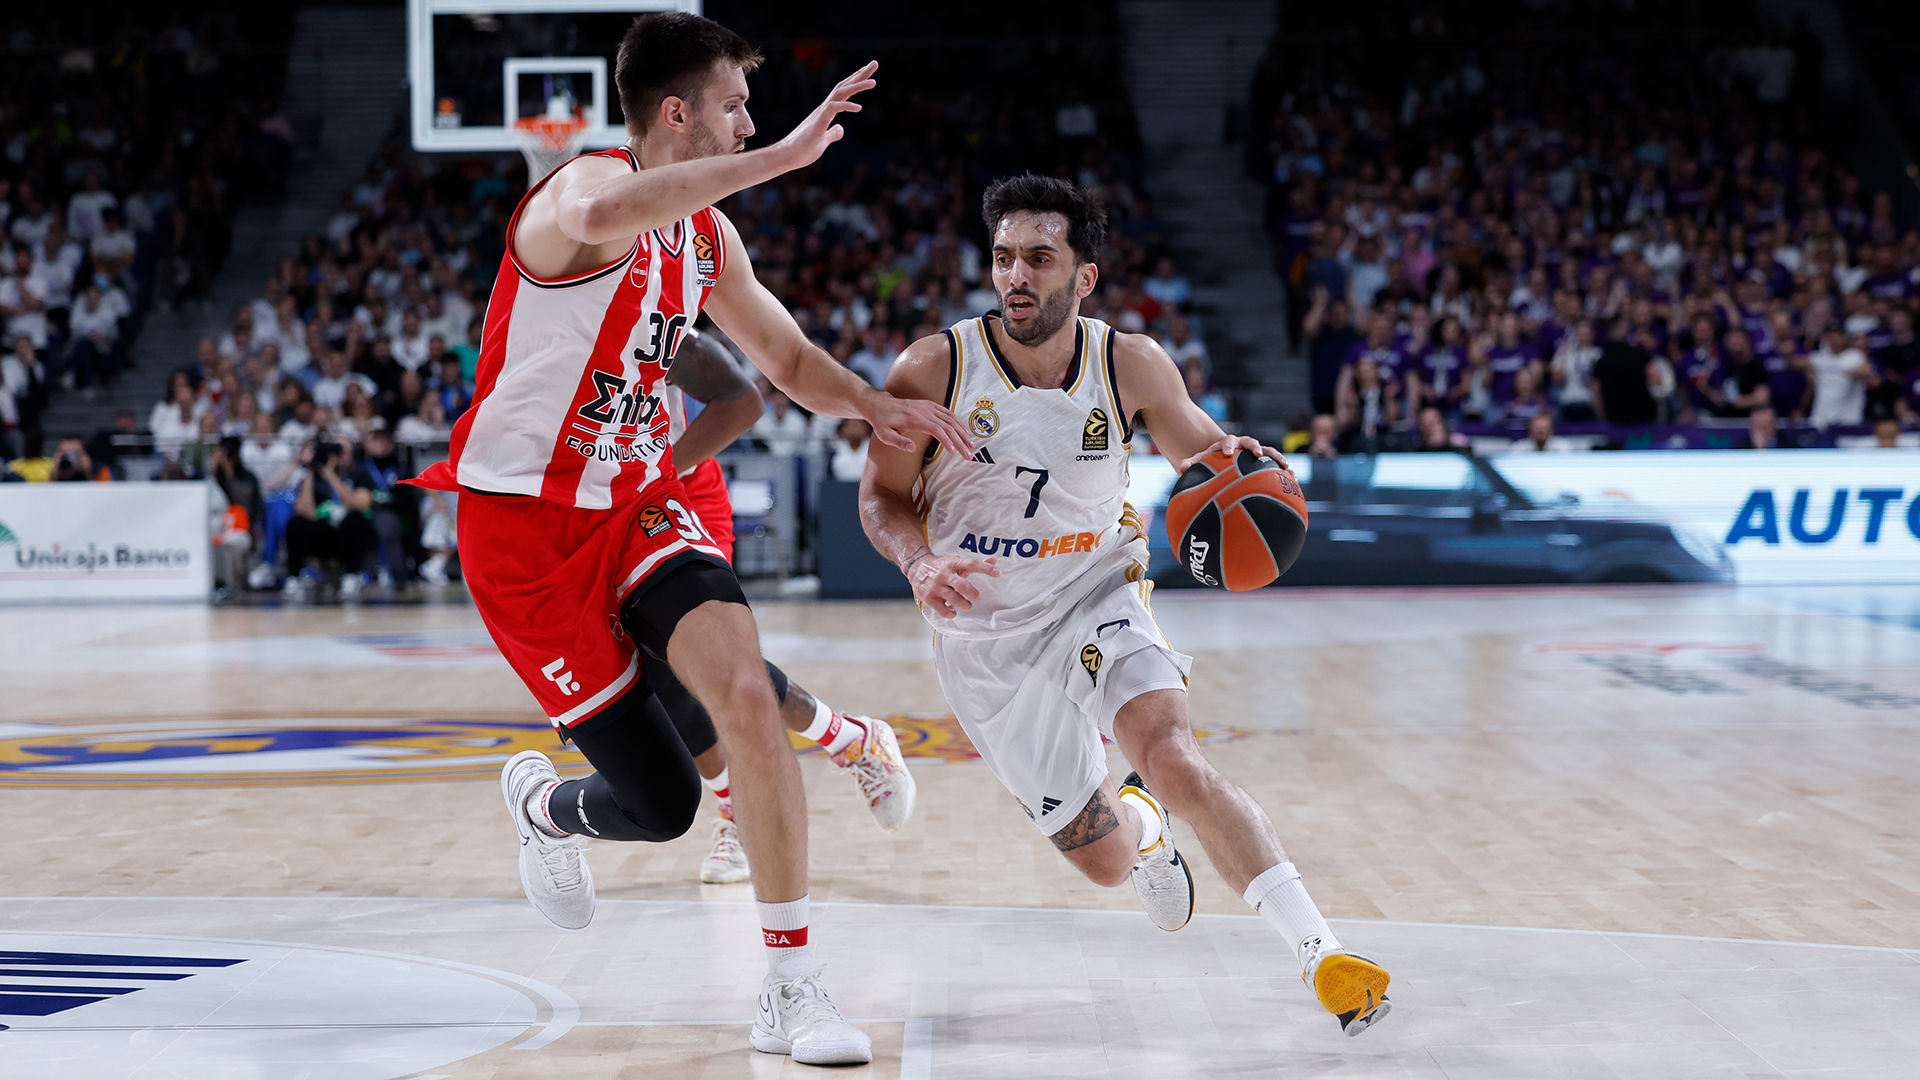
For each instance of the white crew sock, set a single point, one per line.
(722, 790)
(832, 731)
(1280, 898)
(784, 928)
(538, 812)
(1149, 819)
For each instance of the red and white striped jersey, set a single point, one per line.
(568, 392)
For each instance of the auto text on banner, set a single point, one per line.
(104, 542)
(1782, 516)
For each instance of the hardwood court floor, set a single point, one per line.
(1542, 808)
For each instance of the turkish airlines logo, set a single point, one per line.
(705, 252)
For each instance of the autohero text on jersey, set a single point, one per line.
(1028, 547)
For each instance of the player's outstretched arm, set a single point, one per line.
(757, 322)
(1150, 387)
(887, 509)
(705, 372)
(604, 206)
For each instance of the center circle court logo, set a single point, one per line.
(75, 1005)
(343, 749)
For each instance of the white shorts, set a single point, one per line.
(1036, 704)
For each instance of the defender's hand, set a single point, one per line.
(940, 581)
(892, 418)
(804, 144)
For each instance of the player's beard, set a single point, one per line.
(1049, 315)
(707, 142)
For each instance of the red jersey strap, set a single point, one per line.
(513, 225)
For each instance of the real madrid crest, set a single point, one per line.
(983, 420)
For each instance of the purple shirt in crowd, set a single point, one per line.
(1505, 363)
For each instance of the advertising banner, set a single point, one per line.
(1784, 516)
(104, 542)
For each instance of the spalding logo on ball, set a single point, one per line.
(1237, 522)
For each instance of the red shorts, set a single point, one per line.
(549, 580)
(707, 497)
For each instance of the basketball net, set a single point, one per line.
(548, 142)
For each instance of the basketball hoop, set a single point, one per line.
(548, 142)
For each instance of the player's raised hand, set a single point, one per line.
(893, 418)
(804, 144)
(940, 581)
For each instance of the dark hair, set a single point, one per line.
(668, 54)
(1033, 193)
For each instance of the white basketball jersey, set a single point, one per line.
(1045, 491)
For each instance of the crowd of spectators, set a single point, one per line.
(1629, 228)
(127, 134)
(345, 375)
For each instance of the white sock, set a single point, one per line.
(832, 731)
(784, 928)
(541, 816)
(722, 792)
(1280, 898)
(1149, 819)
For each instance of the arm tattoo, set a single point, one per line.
(704, 370)
(1095, 821)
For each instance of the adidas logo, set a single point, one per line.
(1048, 806)
(983, 457)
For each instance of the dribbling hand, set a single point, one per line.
(940, 581)
(805, 144)
(1233, 444)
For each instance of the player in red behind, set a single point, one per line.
(579, 544)
(862, 747)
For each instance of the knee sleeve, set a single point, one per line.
(644, 786)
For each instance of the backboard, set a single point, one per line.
(475, 66)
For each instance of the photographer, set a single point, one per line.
(329, 522)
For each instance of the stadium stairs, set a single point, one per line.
(346, 75)
(1189, 64)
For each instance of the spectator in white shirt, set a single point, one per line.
(1841, 375)
(113, 247)
(410, 344)
(437, 319)
(1572, 372)
(850, 443)
(95, 328)
(58, 260)
(1540, 437)
(426, 425)
(86, 209)
(175, 420)
(23, 301)
(286, 329)
(783, 427)
(330, 390)
(875, 357)
(30, 225)
(1183, 346)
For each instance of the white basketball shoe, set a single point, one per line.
(797, 1017)
(877, 767)
(726, 864)
(553, 871)
(1350, 987)
(1160, 875)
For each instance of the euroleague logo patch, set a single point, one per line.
(654, 521)
(1094, 435)
(705, 255)
(1090, 659)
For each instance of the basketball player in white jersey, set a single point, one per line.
(1031, 569)
(863, 748)
(580, 549)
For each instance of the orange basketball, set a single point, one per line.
(1236, 522)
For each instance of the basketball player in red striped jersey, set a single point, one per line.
(862, 747)
(1031, 568)
(579, 544)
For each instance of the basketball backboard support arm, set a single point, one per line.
(456, 49)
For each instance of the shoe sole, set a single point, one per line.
(768, 1043)
(526, 885)
(728, 878)
(1352, 985)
